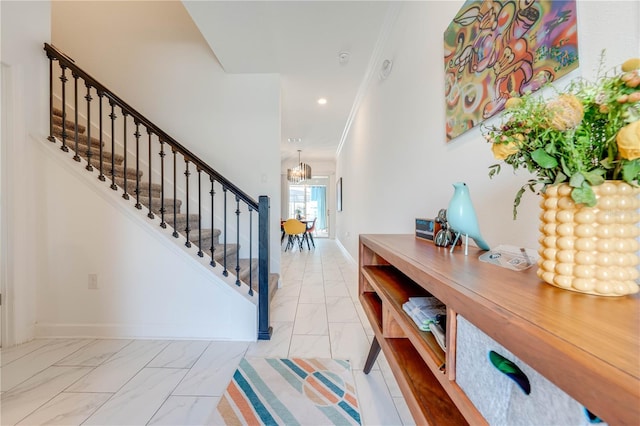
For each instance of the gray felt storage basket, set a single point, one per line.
(498, 398)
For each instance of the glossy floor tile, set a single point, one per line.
(316, 313)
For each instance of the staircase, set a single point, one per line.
(157, 193)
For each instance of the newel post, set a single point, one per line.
(264, 330)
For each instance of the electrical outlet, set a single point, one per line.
(93, 281)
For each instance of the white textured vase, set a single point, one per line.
(591, 249)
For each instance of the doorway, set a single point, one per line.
(308, 200)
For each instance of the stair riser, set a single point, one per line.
(182, 224)
(119, 171)
(206, 242)
(69, 125)
(155, 204)
(71, 137)
(244, 273)
(193, 225)
(206, 238)
(218, 254)
(143, 186)
(156, 189)
(95, 154)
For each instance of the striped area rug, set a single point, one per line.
(290, 391)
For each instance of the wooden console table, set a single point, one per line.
(587, 346)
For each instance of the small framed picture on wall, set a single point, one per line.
(339, 195)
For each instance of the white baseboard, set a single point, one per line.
(137, 331)
(346, 253)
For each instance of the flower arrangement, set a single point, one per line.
(583, 136)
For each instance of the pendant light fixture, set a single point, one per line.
(300, 172)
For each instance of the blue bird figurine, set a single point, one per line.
(462, 217)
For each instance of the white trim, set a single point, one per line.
(129, 331)
(346, 252)
(7, 89)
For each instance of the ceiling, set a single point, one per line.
(301, 41)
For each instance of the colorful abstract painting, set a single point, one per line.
(497, 49)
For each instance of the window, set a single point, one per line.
(308, 200)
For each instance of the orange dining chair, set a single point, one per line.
(296, 232)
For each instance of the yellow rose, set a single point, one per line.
(503, 150)
(628, 140)
(512, 103)
(566, 112)
(631, 64)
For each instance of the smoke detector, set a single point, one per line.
(343, 57)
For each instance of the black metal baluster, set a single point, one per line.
(238, 240)
(188, 228)
(126, 189)
(101, 176)
(50, 138)
(213, 248)
(250, 251)
(200, 253)
(224, 249)
(163, 224)
(88, 98)
(137, 135)
(63, 79)
(175, 210)
(75, 112)
(112, 116)
(150, 214)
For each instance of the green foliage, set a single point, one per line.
(631, 171)
(572, 136)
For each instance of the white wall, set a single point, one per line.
(152, 55)
(53, 242)
(396, 165)
(25, 27)
(148, 284)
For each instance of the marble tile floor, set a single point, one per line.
(316, 313)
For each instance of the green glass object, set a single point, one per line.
(510, 370)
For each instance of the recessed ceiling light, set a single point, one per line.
(322, 101)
